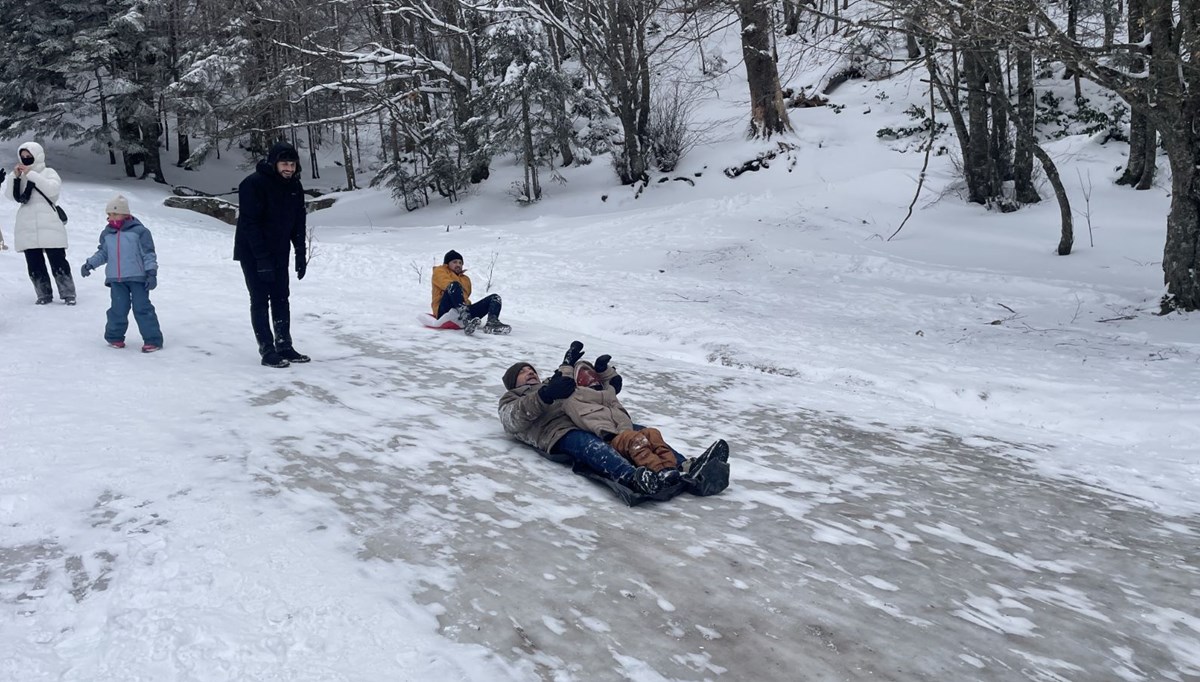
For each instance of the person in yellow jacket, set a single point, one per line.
(452, 291)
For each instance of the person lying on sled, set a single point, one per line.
(588, 424)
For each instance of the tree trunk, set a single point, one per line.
(152, 162)
(1067, 234)
(976, 161)
(112, 157)
(1149, 157)
(1001, 154)
(562, 123)
(633, 156)
(643, 90)
(1072, 33)
(1026, 120)
(314, 171)
(1176, 114)
(1112, 14)
(1138, 122)
(1135, 164)
(910, 41)
(950, 100)
(533, 189)
(768, 114)
(348, 156)
(395, 136)
(184, 145)
(1181, 255)
(630, 77)
(791, 18)
(557, 40)
(462, 62)
(130, 138)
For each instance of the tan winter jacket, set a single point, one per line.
(531, 421)
(598, 412)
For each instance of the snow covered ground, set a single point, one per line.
(956, 455)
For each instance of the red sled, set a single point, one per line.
(447, 321)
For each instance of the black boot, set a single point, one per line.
(291, 355)
(271, 357)
(495, 326)
(642, 480)
(283, 343)
(708, 474)
(468, 321)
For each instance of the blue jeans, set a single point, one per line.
(452, 297)
(135, 295)
(591, 449)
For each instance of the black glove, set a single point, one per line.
(301, 266)
(266, 273)
(615, 382)
(602, 363)
(573, 353)
(557, 388)
(151, 279)
(86, 270)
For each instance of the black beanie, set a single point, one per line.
(451, 255)
(510, 377)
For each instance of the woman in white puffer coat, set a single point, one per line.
(38, 232)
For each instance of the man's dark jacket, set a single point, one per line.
(271, 214)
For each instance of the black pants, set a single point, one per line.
(35, 262)
(269, 304)
(452, 297)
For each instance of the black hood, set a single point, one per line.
(280, 151)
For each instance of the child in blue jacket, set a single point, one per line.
(131, 272)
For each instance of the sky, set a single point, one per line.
(955, 454)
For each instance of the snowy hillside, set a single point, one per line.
(956, 455)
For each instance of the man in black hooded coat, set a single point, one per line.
(271, 220)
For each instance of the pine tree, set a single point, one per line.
(40, 90)
(526, 94)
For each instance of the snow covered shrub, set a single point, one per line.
(594, 129)
(407, 185)
(714, 63)
(671, 131)
(921, 128)
(1086, 118)
(870, 52)
(583, 156)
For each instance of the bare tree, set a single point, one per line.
(1143, 138)
(768, 114)
(1168, 95)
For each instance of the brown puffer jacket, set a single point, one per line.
(596, 411)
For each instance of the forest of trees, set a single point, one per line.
(437, 89)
